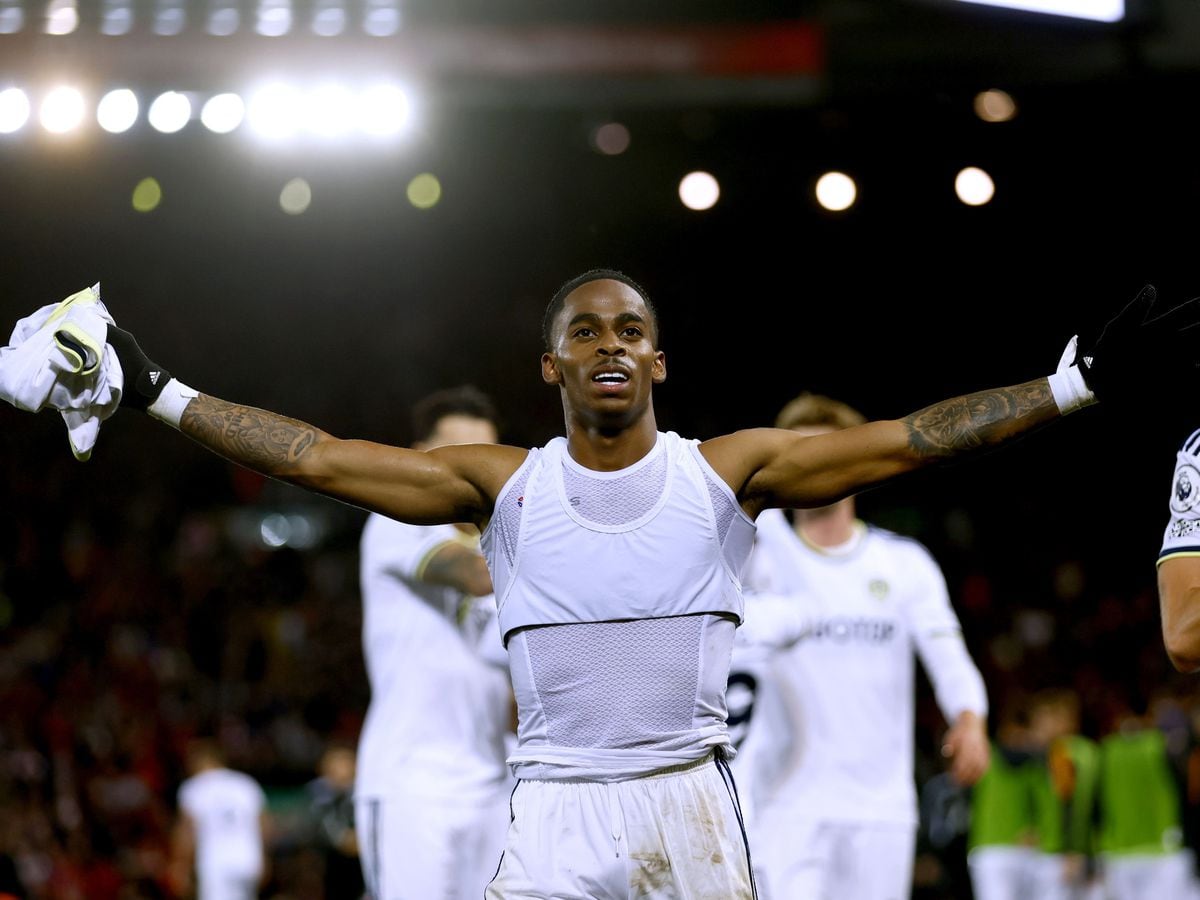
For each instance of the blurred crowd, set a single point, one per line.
(139, 611)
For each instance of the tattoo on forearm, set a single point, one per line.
(261, 440)
(980, 421)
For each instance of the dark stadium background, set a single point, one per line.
(143, 560)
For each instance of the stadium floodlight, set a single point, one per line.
(14, 110)
(328, 18)
(170, 17)
(12, 16)
(699, 191)
(116, 18)
(62, 110)
(274, 18)
(223, 113)
(1096, 10)
(330, 111)
(275, 112)
(381, 18)
(384, 110)
(224, 18)
(117, 110)
(62, 17)
(836, 191)
(974, 186)
(170, 112)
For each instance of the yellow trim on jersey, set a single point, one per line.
(1179, 555)
(470, 541)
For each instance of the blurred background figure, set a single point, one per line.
(331, 810)
(1140, 838)
(432, 782)
(836, 804)
(219, 845)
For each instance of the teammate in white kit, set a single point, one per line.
(220, 831)
(616, 553)
(834, 754)
(1179, 561)
(431, 793)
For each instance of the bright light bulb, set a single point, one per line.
(384, 110)
(170, 112)
(836, 191)
(117, 111)
(62, 110)
(974, 186)
(14, 110)
(223, 113)
(699, 191)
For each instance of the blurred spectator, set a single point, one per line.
(331, 808)
(220, 833)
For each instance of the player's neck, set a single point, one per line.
(610, 449)
(830, 526)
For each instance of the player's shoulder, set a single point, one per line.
(896, 542)
(1191, 445)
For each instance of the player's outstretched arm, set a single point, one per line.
(781, 468)
(448, 484)
(1145, 350)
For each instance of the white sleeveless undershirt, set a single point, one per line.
(618, 596)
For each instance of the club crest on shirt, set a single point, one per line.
(878, 588)
(1185, 492)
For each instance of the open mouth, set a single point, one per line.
(611, 378)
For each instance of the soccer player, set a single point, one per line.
(616, 554)
(1179, 561)
(432, 785)
(220, 833)
(840, 816)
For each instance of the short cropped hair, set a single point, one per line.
(464, 400)
(817, 410)
(554, 307)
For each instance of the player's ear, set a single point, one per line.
(550, 373)
(659, 372)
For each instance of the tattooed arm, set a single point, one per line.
(769, 467)
(448, 484)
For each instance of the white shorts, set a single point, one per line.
(223, 886)
(826, 860)
(673, 835)
(1163, 877)
(1004, 872)
(429, 848)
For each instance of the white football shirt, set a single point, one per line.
(439, 711)
(1182, 536)
(225, 808)
(838, 744)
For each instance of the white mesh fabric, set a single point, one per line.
(723, 509)
(617, 501)
(506, 522)
(641, 680)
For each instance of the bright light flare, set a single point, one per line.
(170, 112)
(836, 191)
(62, 17)
(223, 113)
(384, 110)
(330, 111)
(62, 110)
(14, 110)
(424, 191)
(117, 111)
(1097, 10)
(699, 191)
(275, 112)
(295, 197)
(995, 106)
(147, 194)
(974, 186)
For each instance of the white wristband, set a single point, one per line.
(171, 402)
(1067, 385)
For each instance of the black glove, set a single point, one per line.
(144, 380)
(1147, 352)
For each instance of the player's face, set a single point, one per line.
(604, 355)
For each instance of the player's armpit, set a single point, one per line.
(1179, 599)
